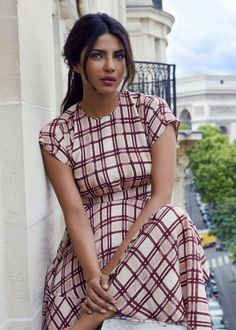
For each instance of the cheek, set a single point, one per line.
(93, 68)
(121, 68)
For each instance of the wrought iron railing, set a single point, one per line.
(156, 79)
(157, 4)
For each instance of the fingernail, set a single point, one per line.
(103, 311)
(110, 308)
(113, 301)
(89, 311)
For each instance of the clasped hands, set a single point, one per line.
(98, 299)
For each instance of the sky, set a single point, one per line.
(203, 37)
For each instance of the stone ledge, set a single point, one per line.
(120, 324)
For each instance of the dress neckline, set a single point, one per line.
(106, 116)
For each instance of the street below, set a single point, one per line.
(219, 261)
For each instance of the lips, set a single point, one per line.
(108, 80)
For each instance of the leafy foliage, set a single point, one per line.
(224, 218)
(184, 126)
(213, 164)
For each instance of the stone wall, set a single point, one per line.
(115, 8)
(30, 219)
(208, 99)
(148, 29)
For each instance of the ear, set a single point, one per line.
(77, 68)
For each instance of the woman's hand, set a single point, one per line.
(97, 297)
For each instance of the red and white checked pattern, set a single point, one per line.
(162, 275)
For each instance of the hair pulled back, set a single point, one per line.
(83, 36)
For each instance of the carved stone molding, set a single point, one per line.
(83, 7)
(186, 141)
(69, 11)
(223, 110)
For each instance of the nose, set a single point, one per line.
(109, 64)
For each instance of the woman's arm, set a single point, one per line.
(163, 153)
(78, 226)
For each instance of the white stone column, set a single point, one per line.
(186, 141)
(116, 9)
(28, 211)
(148, 28)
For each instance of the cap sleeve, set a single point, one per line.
(55, 137)
(157, 116)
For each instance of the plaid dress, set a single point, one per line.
(162, 274)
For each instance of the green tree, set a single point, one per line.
(209, 164)
(184, 126)
(213, 164)
(224, 219)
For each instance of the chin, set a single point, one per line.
(108, 90)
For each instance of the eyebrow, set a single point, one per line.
(103, 51)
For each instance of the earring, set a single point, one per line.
(72, 77)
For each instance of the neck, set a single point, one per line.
(99, 105)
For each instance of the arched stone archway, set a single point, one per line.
(185, 118)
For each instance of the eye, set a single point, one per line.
(119, 56)
(95, 55)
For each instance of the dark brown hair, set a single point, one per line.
(83, 36)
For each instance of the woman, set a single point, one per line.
(110, 157)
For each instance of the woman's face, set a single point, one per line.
(105, 67)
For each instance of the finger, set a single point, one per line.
(99, 301)
(92, 305)
(105, 282)
(86, 309)
(102, 293)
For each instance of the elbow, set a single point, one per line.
(163, 198)
(73, 213)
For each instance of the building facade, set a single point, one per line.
(148, 27)
(208, 99)
(32, 85)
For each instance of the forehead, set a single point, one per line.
(108, 41)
